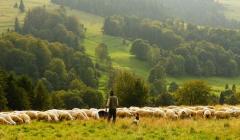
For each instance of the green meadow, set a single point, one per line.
(148, 129)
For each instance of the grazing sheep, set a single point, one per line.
(8, 118)
(222, 115)
(159, 113)
(32, 114)
(53, 116)
(24, 117)
(16, 118)
(145, 113)
(77, 115)
(170, 114)
(124, 113)
(43, 116)
(64, 115)
(199, 113)
(207, 114)
(3, 121)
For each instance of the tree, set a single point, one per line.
(17, 27)
(140, 49)
(15, 5)
(173, 86)
(234, 89)
(193, 93)
(92, 98)
(164, 99)
(157, 78)
(16, 96)
(21, 6)
(41, 98)
(226, 87)
(101, 52)
(3, 100)
(131, 90)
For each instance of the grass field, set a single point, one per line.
(149, 129)
(119, 53)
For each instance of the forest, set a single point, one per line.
(202, 12)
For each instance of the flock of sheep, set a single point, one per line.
(170, 112)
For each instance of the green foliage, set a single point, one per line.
(229, 97)
(186, 10)
(53, 27)
(17, 27)
(140, 49)
(92, 98)
(173, 87)
(16, 96)
(41, 97)
(21, 6)
(164, 99)
(130, 89)
(193, 93)
(3, 100)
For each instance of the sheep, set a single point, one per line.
(199, 113)
(222, 115)
(159, 113)
(4, 121)
(16, 118)
(64, 115)
(53, 116)
(170, 114)
(124, 113)
(207, 114)
(8, 118)
(32, 114)
(77, 115)
(43, 116)
(24, 117)
(145, 113)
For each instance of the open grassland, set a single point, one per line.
(8, 13)
(149, 129)
(118, 51)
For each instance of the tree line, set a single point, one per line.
(183, 49)
(207, 12)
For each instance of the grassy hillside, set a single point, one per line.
(154, 129)
(118, 52)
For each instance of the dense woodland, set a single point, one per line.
(183, 49)
(203, 12)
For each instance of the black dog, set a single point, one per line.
(103, 114)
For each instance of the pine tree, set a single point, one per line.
(17, 27)
(22, 6)
(234, 89)
(41, 99)
(15, 5)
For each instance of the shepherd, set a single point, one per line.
(112, 104)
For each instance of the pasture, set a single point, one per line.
(149, 129)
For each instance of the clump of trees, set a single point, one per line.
(131, 89)
(54, 26)
(187, 10)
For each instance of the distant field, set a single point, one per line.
(149, 129)
(118, 52)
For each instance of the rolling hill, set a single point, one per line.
(119, 53)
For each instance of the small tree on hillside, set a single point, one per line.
(15, 5)
(234, 89)
(131, 90)
(41, 99)
(22, 6)
(194, 93)
(173, 87)
(17, 27)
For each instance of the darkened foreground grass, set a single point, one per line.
(149, 129)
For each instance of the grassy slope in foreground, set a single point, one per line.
(149, 129)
